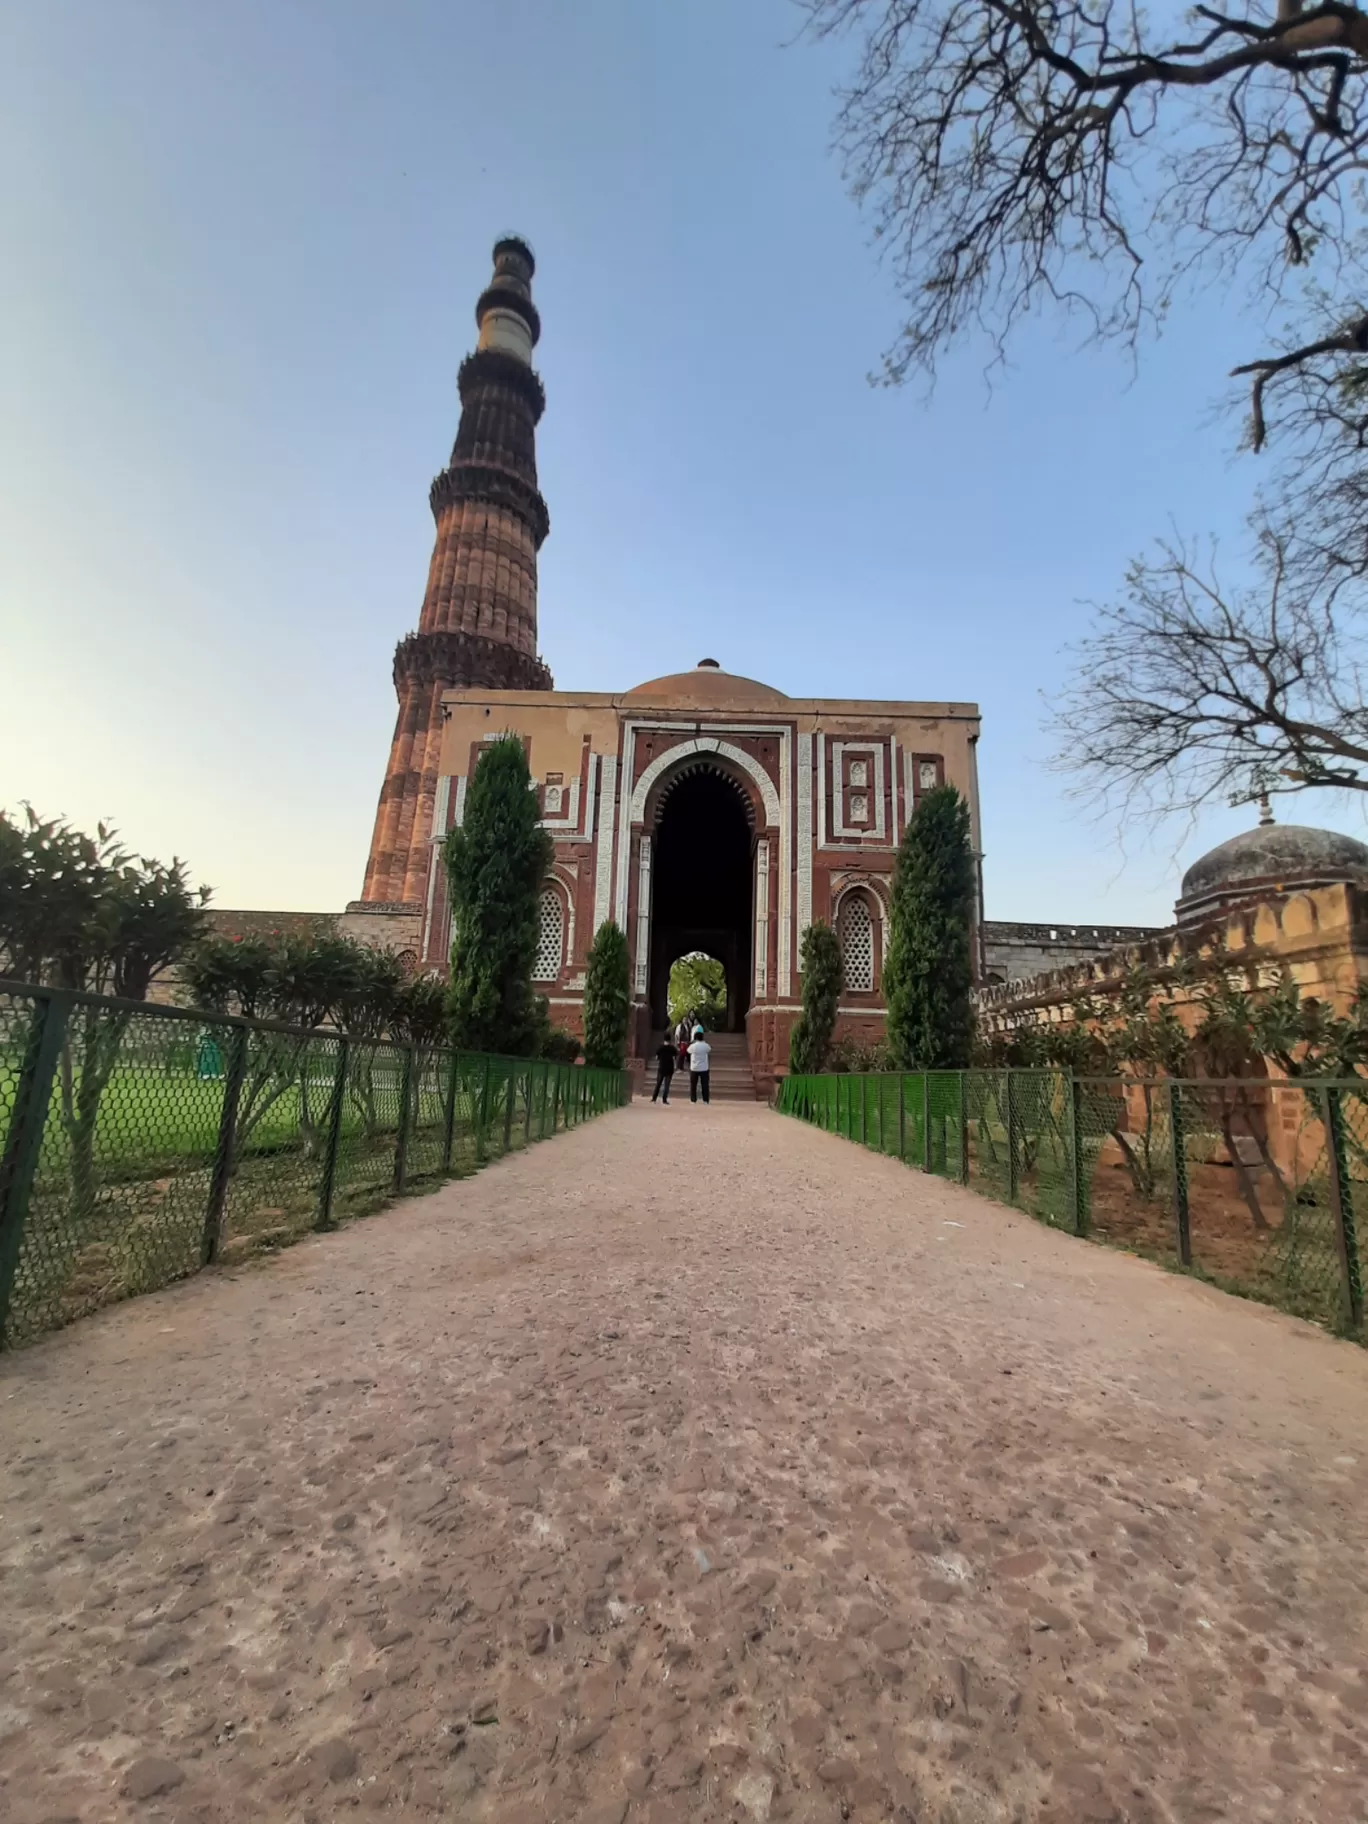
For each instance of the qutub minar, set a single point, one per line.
(702, 811)
(478, 625)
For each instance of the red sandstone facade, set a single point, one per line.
(801, 802)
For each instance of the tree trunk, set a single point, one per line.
(1248, 1189)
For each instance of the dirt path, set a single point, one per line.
(693, 1465)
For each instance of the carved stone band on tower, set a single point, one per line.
(478, 626)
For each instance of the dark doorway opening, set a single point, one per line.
(701, 890)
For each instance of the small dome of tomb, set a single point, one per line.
(1274, 858)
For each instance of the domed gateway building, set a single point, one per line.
(702, 811)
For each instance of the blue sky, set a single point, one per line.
(243, 246)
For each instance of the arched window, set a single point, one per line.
(550, 937)
(857, 943)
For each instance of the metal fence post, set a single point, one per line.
(527, 1126)
(1341, 1203)
(1013, 1171)
(449, 1114)
(902, 1117)
(482, 1121)
(510, 1076)
(963, 1115)
(555, 1098)
(926, 1121)
(1077, 1163)
(402, 1138)
(24, 1138)
(1180, 1180)
(224, 1151)
(336, 1101)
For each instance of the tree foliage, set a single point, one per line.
(306, 982)
(698, 990)
(607, 999)
(1086, 156)
(823, 979)
(560, 1046)
(496, 862)
(82, 912)
(927, 975)
(302, 980)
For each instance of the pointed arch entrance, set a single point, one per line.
(701, 816)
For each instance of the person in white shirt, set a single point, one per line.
(700, 1056)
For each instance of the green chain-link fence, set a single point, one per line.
(1259, 1186)
(141, 1143)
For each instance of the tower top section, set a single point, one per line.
(505, 313)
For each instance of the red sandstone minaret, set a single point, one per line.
(478, 626)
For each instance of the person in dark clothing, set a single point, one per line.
(665, 1066)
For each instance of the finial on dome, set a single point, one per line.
(708, 665)
(1265, 811)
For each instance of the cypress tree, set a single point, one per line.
(496, 862)
(927, 975)
(823, 979)
(606, 999)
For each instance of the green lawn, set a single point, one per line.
(158, 1117)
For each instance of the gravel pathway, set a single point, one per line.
(693, 1465)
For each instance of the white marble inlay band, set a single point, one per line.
(603, 861)
(762, 917)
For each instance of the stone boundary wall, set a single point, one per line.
(1321, 935)
(1015, 951)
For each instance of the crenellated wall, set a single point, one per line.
(1016, 951)
(1320, 935)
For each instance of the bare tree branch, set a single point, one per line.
(1185, 693)
(1024, 151)
(1085, 154)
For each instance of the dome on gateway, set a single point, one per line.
(707, 686)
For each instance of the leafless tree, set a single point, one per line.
(1085, 155)
(1188, 692)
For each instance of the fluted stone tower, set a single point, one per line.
(478, 626)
